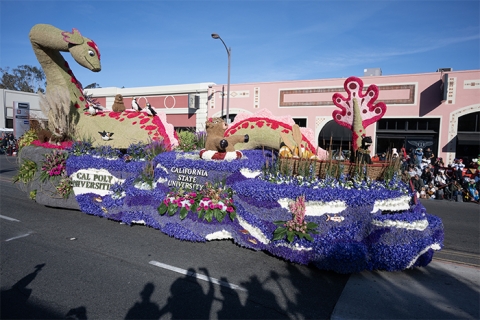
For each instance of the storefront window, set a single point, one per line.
(335, 137)
(468, 137)
(469, 122)
(302, 122)
(408, 133)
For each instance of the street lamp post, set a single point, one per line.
(229, 52)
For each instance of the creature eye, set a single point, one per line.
(91, 53)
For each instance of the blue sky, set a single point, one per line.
(154, 43)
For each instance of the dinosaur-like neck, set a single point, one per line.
(47, 43)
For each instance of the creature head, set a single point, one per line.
(83, 50)
(366, 141)
(216, 125)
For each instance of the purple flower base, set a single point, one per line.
(349, 246)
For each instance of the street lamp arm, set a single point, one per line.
(216, 36)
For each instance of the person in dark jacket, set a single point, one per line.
(417, 183)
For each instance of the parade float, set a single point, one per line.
(263, 185)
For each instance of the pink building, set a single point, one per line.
(439, 109)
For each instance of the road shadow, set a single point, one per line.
(77, 313)
(232, 307)
(295, 293)
(14, 302)
(145, 309)
(187, 299)
(316, 291)
(261, 303)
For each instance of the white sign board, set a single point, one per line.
(21, 118)
(96, 181)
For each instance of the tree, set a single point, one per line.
(23, 78)
(92, 86)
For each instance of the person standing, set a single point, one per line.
(457, 191)
(418, 157)
(472, 191)
(11, 144)
(417, 184)
(427, 176)
(428, 154)
(441, 182)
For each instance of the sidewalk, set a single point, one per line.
(439, 291)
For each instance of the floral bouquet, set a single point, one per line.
(54, 165)
(213, 201)
(296, 226)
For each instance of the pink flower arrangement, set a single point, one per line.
(297, 226)
(54, 165)
(213, 201)
(177, 199)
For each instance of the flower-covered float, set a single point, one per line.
(334, 221)
(294, 204)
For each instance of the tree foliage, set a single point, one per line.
(23, 78)
(92, 86)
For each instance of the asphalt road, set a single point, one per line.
(58, 263)
(461, 222)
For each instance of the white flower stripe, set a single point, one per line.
(247, 173)
(434, 246)
(317, 208)
(295, 247)
(219, 235)
(395, 204)
(254, 231)
(415, 225)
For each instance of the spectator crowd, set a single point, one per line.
(8, 144)
(432, 179)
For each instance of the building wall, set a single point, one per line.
(444, 96)
(7, 99)
(438, 95)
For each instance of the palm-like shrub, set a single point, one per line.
(187, 141)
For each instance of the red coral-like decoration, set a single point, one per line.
(369, 111)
